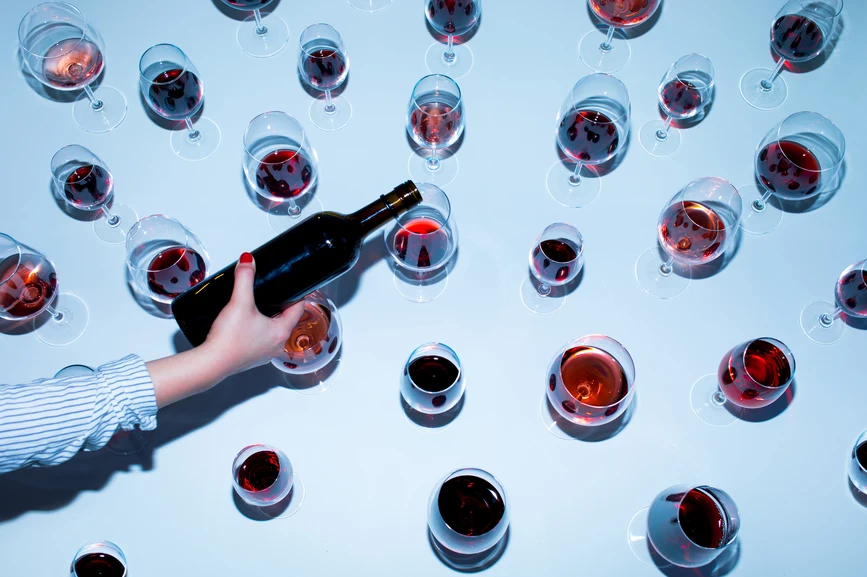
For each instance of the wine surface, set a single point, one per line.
(593, 376)
(99, 565)
(72, 63)
(259, 471)
(87, 186)
(174, 93)
(588, 136)
(174, 270)
(789, 170)
(470, 505)
(433, 374)
(796, 37)
(702, 519)
(285, 173)
(692, 231)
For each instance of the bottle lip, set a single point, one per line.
(413, 189)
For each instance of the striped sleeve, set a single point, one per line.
(48, 421)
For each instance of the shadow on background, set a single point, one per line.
(469, 563)
(722, 565)
(432, 422)
(771, 411)
(597, 434)
(859, 497)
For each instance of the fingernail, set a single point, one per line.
(246, 258)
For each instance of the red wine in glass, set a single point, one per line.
(284, 173)
(436, 123)
(692, 231)
(680, 98)
(592, 377)
(702, 519)
(309, 338)
(588, 136)
(470, 505)
(175, 93)
(852, 292)
(174, 270)
(27, 289)
(259, 471)
(789, 170)
(72, 63)
(796, 37)
(433, 374)
(421, 242)
(623, 13)
(87, 186)
(553, 260)
(452, 17)
(755, 377)
(861, 455)
(324, 67)
(99, 565)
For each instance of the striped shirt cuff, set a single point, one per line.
(131, 391)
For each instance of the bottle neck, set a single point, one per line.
(386, 207)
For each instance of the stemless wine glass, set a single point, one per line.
(65, 52)
(555, 260)
(172, 87)
(435, 120)
(821, 320)
(798, 159)
(603, 54)
(164, 258)
(312, 347)
(28, 287)
(281, 166)
(422, 242)
(799, 32)
(102, 558)
(264, 478)
(592, 127)
(468, 516)
(257, 36)
(323, 64)
(84, 181)
(858, 464)
(451, 18)
(751, 376)
(370, 5)
(697, 226)
(684, 93)
(433, 381)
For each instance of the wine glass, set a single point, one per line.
(684, 92)
(257, 36)
(435, 120)
(123, 442)
(312, 347)
(603, 54)
(468, 516)
(821, 321)
(172, 87)
(28, 287)
(555, 260)
(451, 18)
(858, 464)
(264, 478)
(798, 159)
(84, 181)
(697, 226)
(592, 127)
(800, 31)
(422, 242)
(432, 382)
(370, 5)
(590, 382)
(164, 258)
(65, 52)
(102, 558)
(323, 64)
(751, 376)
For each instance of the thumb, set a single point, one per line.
(290, 317)
(245, 270)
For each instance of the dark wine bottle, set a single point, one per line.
(294, 264)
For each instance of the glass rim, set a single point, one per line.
(690, 489)
(138, 225)
(806, 4)
(84, 26)
(447, 79)
(17, 263)
(93, 165)
(472, 472)
(710, 84)
(160, 45)
(447, 216)
(630, 382)
(281, 457)
(104, 543)
(579, 252)
(303, 144)
(677, 199)
(822, 170)
(574, 102)
(790, 359)
(434, 344)
(301, 43)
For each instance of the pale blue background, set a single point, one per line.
(368, 473)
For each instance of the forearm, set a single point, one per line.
(185, 374)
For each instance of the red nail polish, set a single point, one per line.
(246, 258)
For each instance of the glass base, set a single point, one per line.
(331, 121)
(421, 288)
(536, 302)
(467, 563)
(263, 45)
(709, 404)
(563, 191)
(289, 505)
(441, 177)
(636, 536)
(657, 284)
(125, 443)
(314, 383)
(756, 96)
(598, 60)
(108, 117)
(815, 330)
(651, 143)
(460, 66)
(759, 221)
(115, 234)
(280, 219)
(67, 330)
(203, 147)
(370, 5)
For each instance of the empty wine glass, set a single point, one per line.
(312, 347)
(697, 226)
(29, 287)
(858, 464)
(435, 120)
(102, 558)
(422, 242)
(281, 166)
(799, 32)
(370, 5)
(260, 36)
(65, 52)
(684, 93)
(264, 478)
(751, 376)
(555, 260)
(432, 382)
(798, 159)
(172, 87)
(602, 54)
(821, 320)
(451, 18)
(84, 181)
(592, 127)
(323, 64)
(164, 258)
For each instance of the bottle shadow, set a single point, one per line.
(241, 15)
(724, 564)
(765, 413)
(628, 33)
(343, 289)
(469, 563)
(596, 434)
(432, 422)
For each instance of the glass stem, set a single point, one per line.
(194, 135)
(56, 315)
(330, 107)
(575, 177)
(662, 133)
(607, 46)
(95, 102)
(449, 56)
(827, 320)
(759, 205)
(544, 290)
(113, 219)
(294, 209)
(261, 29)
(666, 268)
(433, 163)
(768, 83)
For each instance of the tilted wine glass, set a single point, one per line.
(603, 54)
(433, 382)
(556, 259)
(65, 52)
(451, 18)
(102, 558)
(435, 121)
(821, 320)
(264, 477)
(260, 36)
(323, 64)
